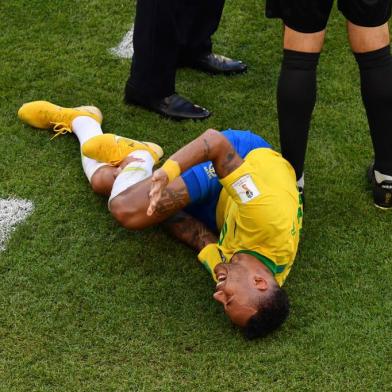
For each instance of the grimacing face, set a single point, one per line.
(239, 290)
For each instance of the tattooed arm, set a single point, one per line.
(189, 230)
(210, 146)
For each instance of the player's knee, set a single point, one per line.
(303, 42)
(367, 39)
(120, 210)
(98, 187)
(126, 214)
(102, 180)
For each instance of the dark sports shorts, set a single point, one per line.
(311, 16)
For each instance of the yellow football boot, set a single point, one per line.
(112, 149)
(46, 115)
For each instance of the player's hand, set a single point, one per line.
(159, 182)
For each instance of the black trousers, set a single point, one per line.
(167, 33)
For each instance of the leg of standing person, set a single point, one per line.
(198, 22)
(305, 22)
(296, 94)
(153, 67)
(151, 83)
(370, 43)
(198, 25)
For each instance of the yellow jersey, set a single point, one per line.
(259, 212)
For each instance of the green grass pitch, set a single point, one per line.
(86, 305)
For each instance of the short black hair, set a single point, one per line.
(271, 314)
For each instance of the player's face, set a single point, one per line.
(236, 292)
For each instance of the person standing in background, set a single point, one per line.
(304, 31)
(169, 34)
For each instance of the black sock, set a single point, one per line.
(376, 88)
(296, 99)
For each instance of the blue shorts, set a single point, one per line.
(203, 184)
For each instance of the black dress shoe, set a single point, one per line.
(218, 64)
(173, 106)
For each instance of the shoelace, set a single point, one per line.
(60, 128)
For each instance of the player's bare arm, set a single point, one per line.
(210, 146)
(190, 231)
(129, 208)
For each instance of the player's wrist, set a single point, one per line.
(172, 169)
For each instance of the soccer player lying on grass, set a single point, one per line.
(230, 182)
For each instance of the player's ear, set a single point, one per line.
(260, 282)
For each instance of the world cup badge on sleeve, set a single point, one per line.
(245, 188)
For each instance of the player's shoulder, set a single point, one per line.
(262, 154)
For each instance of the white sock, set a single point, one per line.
(85, 128)
(301, 181)
(133, 173)
(381, 177)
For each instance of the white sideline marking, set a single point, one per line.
(12, 212)
(124, 49)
